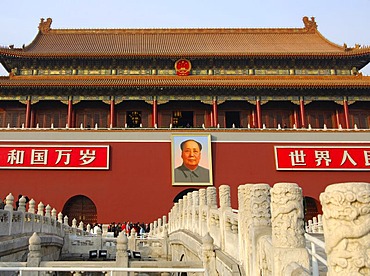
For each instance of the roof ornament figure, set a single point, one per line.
(44, 26)
(310, 25)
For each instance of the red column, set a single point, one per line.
(28, 112)
(112, 118)
(253, 118)
(69, 115)
(296, 121)
(258, 111)
(303, 115)
(155, 112)
(337, 117)
(346, 112)
(215, 112)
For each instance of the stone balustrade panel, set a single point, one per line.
(231, 234)
(215, 226)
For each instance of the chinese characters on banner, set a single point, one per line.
(54, 157)
(322, 158)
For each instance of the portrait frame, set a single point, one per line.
(205, 162)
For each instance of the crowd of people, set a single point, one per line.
(140, 228)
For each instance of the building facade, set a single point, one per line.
(253, 91)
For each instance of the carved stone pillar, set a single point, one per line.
(121, 253)
(190, 212)
(225, 201)
(244, 219)
(202, 197)
(225, 210)
(212, 197)
(260, 220)
(9, 200)
(40, 209)
(22, 204)
(60, 217)
(287, 217)
(34, 256)
(180, 214)
(31, 206)
(48, 211)
(54, 213)
(346, 221)
(209, 256)
(174, 217)
(185, 212)
(203, 212)
(195, 211)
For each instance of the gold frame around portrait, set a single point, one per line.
(205, 161)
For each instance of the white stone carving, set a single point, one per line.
(346, 221)
(287, 216)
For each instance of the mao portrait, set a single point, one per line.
(191, 160)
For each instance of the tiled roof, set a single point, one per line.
(187, 81)
(305, 41)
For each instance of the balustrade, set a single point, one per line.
(264, 236)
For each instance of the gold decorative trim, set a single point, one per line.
(296, 102)
(209, 102)
(118, 101)
(339, 102)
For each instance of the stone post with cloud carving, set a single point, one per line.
(287, 221)
(346, 222)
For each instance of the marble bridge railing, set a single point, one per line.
(41, 220)
(265, 236)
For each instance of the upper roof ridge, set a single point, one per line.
(45, 27)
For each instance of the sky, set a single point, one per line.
(339, 21)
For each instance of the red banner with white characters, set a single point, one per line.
(54, 157)
(339, 158)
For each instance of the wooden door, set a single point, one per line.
(82, 209)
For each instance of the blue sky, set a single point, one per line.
(339, 21)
